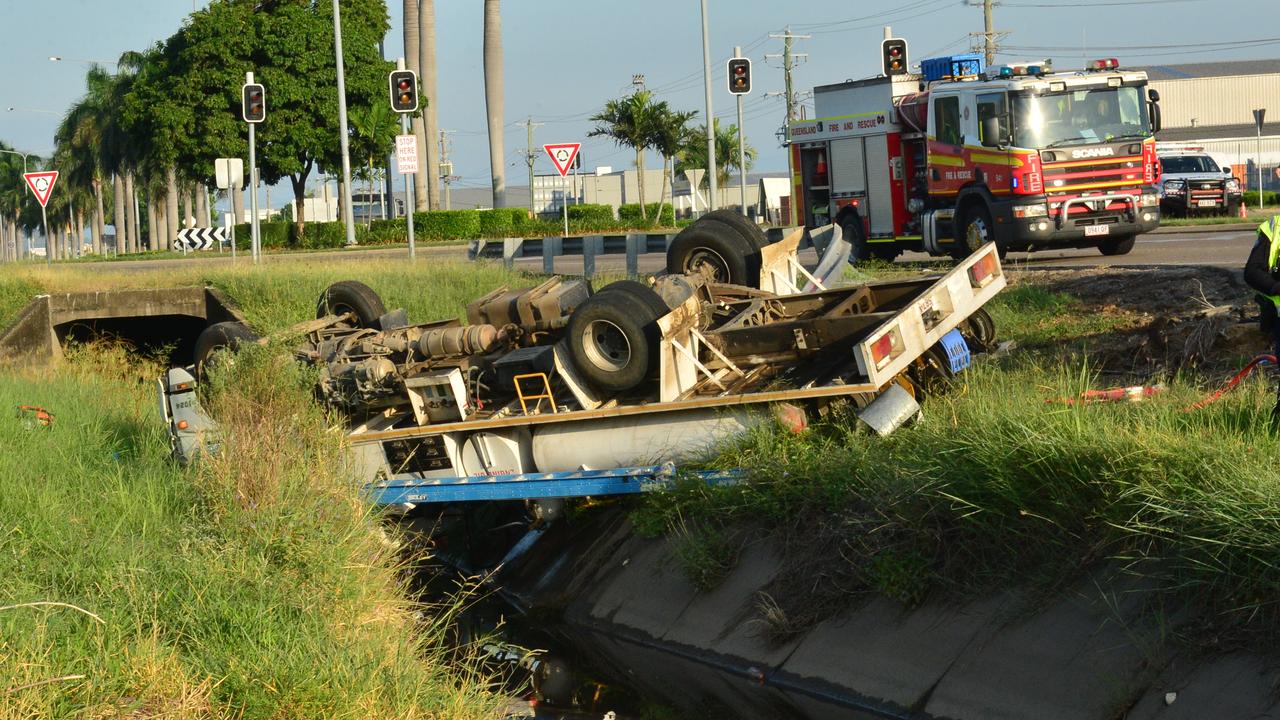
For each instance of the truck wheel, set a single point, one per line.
(747, 229)
(980, 331)
(216, 338)
(611, 341)
(718, 248)
(852, 231)
(977, 231)
(351, 296)
(646, 295)
(1116, 246)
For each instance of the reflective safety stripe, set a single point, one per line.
(1268, 230)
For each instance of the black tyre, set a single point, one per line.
(931, 372)
(747, 229)
(351, 296)
(852, 231)
(218, 337)
(1116, 246)
(649, 298)
(718, 248)
(976, 232)
(979, 331)
(610, 341)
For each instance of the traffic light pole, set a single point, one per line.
(254, 246)
(742, 153)
(408, 192)
(408, 181)
(711, 123)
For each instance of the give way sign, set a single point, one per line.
(562, 155)
(41, 184)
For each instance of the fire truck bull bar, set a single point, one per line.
(1065, 209)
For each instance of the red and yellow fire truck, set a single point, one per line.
(959, 155)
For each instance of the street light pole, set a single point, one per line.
(711, 124)
(1258, 116)
(342, 127)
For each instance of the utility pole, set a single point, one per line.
(342, 129)
(711, 122)
(789, 96)
(989, 33)
(530, 155)
(446, 167)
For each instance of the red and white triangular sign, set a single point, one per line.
(41, 184)
(562, 155)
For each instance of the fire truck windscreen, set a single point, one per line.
(1079, 116)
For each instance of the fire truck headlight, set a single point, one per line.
(1149, 200)
(1031, 211)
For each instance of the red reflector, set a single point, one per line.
(982, 271)
(881, 349)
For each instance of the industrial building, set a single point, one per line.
(1210, 105)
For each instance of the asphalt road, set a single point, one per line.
(1226, 248)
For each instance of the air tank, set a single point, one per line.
(640, 440)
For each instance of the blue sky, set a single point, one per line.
(565, 58)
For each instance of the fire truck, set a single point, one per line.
(961, 154)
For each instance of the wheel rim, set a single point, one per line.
(706, 257)
(606, 345)
(977, 233)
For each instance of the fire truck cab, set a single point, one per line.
(960, 155)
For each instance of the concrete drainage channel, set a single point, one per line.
(151, 320)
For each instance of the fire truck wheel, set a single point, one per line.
(1116, 246)
(719, 249)
(851, 230)
(978, 231)
(749, 230)
(645, 294)
(611, 342)
(351, 296)
(218, 337)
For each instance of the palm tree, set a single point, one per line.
(694, 153)
(631, 122)
(373, 127)
(412, 58)
(493, 99)
(430, 119)
(668, 133)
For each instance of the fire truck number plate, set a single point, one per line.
(1092, 230)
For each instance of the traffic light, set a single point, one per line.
(893, 53)
(739, 76)
(253, 103)
(404, 91)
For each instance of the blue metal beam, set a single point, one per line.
(531, 486)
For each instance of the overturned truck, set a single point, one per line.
(559, 391)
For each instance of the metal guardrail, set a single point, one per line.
(633, 245)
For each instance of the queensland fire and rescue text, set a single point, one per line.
(962, 154)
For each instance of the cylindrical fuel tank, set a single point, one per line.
(640, 440)
(456, 341)
(496, 452)
(914, 110)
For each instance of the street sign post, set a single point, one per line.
(41, 184)
(1259, 116)
(227, 172)
(407, 154)
(562, 156)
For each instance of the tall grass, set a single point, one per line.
(255, 586)
(995, 486)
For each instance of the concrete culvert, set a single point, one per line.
(164, 321)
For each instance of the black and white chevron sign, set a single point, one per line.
(199, 238)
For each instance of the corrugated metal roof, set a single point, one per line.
(1212, 69)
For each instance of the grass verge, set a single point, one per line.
(255, 586)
